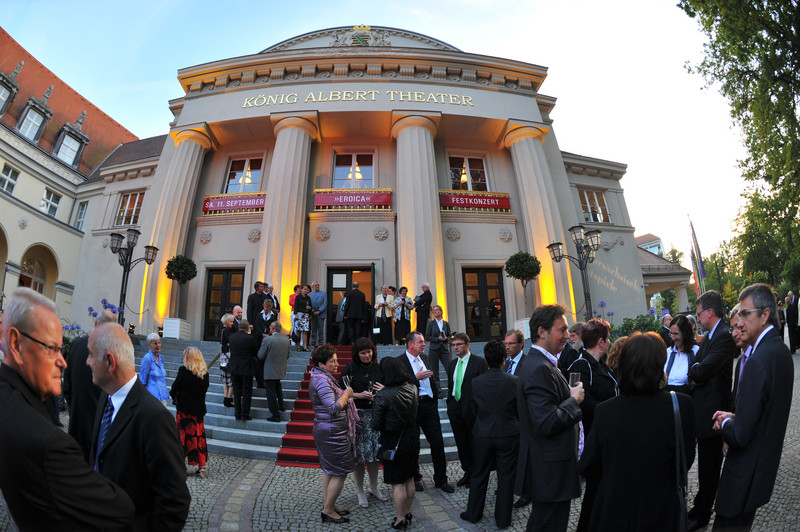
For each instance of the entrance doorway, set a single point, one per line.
(339, 281)
(224, 290)
(485, 304)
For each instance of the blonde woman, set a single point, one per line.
(189, 395)
(228, 328)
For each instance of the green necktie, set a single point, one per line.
(459, 378)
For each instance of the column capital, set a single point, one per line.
(405, 119)
(200, 134)
(308, 123)
(516, 130)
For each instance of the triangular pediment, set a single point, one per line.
(360, 36)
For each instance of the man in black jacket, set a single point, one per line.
(710, 376)
(244, 355)
(354, 312)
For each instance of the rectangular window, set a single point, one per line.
(50, 201)
(467, 173)
(129, 208)
(81, 216)
(30, 126)
(8, 179)
(352, 170)
(243, 176)
(68, 149)
(4, 95)
(593, 204)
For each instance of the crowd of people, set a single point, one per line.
(628, 417)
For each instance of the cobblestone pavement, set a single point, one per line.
(257, 495)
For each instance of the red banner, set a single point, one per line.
(474, 201)
(353, 198)
(233, 203)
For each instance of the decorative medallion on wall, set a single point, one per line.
(323, 233)
(506, 235)
(453, 234)
(205, 237)
(254, 235)
(23, 222)
(610, 244)
(105, 242)
(380, 234)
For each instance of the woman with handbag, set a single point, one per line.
(334, 430)
(228, 328)
(188, 392)
(394, 414)
(634, 451)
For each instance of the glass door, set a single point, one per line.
(224, 290)
(484, 302)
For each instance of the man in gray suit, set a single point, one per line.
(274, 352)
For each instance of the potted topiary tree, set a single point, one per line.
(524, 267)
(182, 269)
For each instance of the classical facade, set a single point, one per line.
(51, 140)
(369, 154)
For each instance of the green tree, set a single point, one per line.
(669, 297)
(524, 267)
(752, 56)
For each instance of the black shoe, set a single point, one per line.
(418, 485)
(522, 502)
(446, 487)
(399, 525)
(326, 517)
(246, 417)
(463, 515)
(227, 402)
(695, 524)
(274, 419)
(463, 481)
(409, 517)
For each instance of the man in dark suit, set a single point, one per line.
(422, 305)
(274, 354)
(791, 321)
(46, 483)
(354, 312)
(438, 333)
(136, 439)
(460, 373)
(244, 355)
(428, 412)
(255, 302)
(495, 431)
(264, 318)
(515, 360)
(710, 376)
(79, 391)
(754, 434)
(237, 316)
(572, 350)
(549, 412)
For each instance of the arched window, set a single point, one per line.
(33, 275)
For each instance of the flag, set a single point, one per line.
(697, 261)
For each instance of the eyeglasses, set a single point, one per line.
(52, 350)
(744, 312)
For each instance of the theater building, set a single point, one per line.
(355, 153)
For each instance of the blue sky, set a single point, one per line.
(617, 69)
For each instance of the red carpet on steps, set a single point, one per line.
(297, 446)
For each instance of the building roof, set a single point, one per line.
(34, 79)
(652, 264)
(132, 152)
(644, 239)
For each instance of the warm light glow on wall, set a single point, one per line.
(163, 292)
(144, 291)
(547, 287)
(285, 315)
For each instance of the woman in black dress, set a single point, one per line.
(402, 315)
(188, 393)
(365, 378)
(228, 328)
(394, 414)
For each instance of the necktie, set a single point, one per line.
(671, 362)
(741, 369)
(105, 422)
(459, 378)
(510, 368)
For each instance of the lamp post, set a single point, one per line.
(125, 256)
(586, 243)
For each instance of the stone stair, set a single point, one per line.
(259, 438)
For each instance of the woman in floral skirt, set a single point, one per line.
(189, 395)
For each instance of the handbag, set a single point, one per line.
(387, 455)
(680, 465)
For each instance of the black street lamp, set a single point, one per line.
(586, 244)
(125, 255)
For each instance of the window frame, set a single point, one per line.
(7, 178)
(123, 214)
(63, 142)
(354, 154)
(80, 215)
(244, 187)
(467, 171)
(50, 203)
(602, 214)
(24, 123)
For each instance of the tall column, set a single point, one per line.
(172, 218)
(541, 218)
(283, 228)
(683, 297)
(420, 253)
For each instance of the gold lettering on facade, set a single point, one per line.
(358, 96)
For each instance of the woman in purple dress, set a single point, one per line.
(334, 429)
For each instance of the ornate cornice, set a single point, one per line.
(348, 36)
